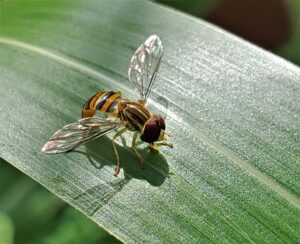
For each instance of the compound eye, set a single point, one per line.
(151, 132)
(159, 121)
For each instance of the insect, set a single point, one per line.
(121, 114)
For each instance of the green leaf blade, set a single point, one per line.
(233, 113)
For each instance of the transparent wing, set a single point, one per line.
(144, 66)
(78, 133)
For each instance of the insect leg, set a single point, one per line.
(117, 169)
(154, 147)
(135, 150)
(163, 143)
(166, 143)
(165, 140)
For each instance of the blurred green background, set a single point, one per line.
(271, 24)
(31, 214)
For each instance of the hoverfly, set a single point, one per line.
(121, 113)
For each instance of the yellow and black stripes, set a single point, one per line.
(135, 114)
(102, 101)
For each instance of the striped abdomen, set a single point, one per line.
(102, 101)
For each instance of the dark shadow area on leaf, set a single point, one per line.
(100, 153)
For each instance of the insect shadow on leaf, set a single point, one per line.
(100, 154)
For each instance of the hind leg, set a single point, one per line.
(117, 168)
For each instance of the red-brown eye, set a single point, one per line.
(150, 132)
(152, 129)
(159, 121)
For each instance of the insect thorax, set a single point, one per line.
(134, 113)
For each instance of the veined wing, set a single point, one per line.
(78, 133)
(144, 66)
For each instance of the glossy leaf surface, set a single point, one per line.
(234, 112)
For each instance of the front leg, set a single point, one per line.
(163, 141)
(154, 147)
